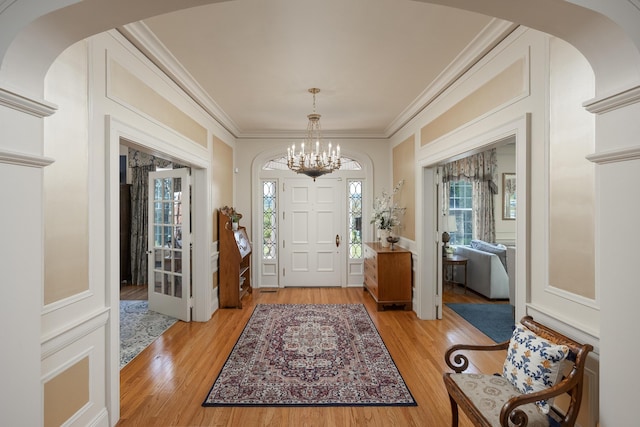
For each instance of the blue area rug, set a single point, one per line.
(139, 327)
(493, 320)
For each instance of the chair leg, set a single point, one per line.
(454, 412)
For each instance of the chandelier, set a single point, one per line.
(313, 159)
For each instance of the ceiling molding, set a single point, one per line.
(146, 42)
(496, 31)
(142, 38)
(5, 4)
(298, 134)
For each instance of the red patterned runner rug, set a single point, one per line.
(309, 355)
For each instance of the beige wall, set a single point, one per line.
(66, 393)
(134, 92)
(222, 179)
(404, 169)
(66, 195)
(504, 87)
(571, 175)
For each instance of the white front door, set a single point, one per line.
(312, 232)
(170, 243)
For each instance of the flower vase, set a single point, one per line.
(234, 225)
(383, 237)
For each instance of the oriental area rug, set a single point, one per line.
(309, 355)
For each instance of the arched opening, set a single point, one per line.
(612, 53)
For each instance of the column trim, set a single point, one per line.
(35, 107)
(22, 159)
(608, 103)
(57, 340)
(616, 155)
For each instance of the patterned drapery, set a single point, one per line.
(480, 170)
(139, 222)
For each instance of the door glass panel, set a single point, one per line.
(269, 220)
(157, 282)
(169, 242)
(167, 228)
(178, 287)
(355, 219)
(167, 284)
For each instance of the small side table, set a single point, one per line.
(448, 264)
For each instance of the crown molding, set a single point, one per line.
(608, 103)
(36, 107)
(301, 134)
(490, 36)
(141, 36)
(635, 3)
(5, 4)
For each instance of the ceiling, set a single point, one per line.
(376, 62)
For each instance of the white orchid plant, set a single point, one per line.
(386, 213)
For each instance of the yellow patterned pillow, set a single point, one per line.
(533, 363)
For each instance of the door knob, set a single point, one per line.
(337, 240)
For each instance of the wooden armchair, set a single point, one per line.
(496, 400)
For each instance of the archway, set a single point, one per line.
(606, 40)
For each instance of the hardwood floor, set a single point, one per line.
(133, 292)
(167, 383)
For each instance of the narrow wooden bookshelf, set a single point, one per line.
(235, 261)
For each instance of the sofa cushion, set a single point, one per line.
(500, 250)
(486, 274)
(533, 363)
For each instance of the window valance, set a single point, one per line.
(479, 167)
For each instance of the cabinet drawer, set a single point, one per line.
(370, 271)
(371, 285)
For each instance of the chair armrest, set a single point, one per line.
(510, 411)
(460, 362)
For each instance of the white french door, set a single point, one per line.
(312, 232)
(170, 243)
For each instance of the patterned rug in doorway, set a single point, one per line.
(309, 355)
(139, 327)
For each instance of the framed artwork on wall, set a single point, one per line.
(508, 196)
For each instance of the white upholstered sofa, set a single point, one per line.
(486, 273)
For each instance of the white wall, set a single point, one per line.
(247, 151)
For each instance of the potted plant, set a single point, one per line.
(235, 219)
(386, 214)
(233, 215)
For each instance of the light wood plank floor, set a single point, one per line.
(133, 292)
(167, 383)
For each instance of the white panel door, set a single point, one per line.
(170, 243)
(311, 247)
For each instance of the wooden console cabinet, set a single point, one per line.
(235, 263)
(387, 275)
